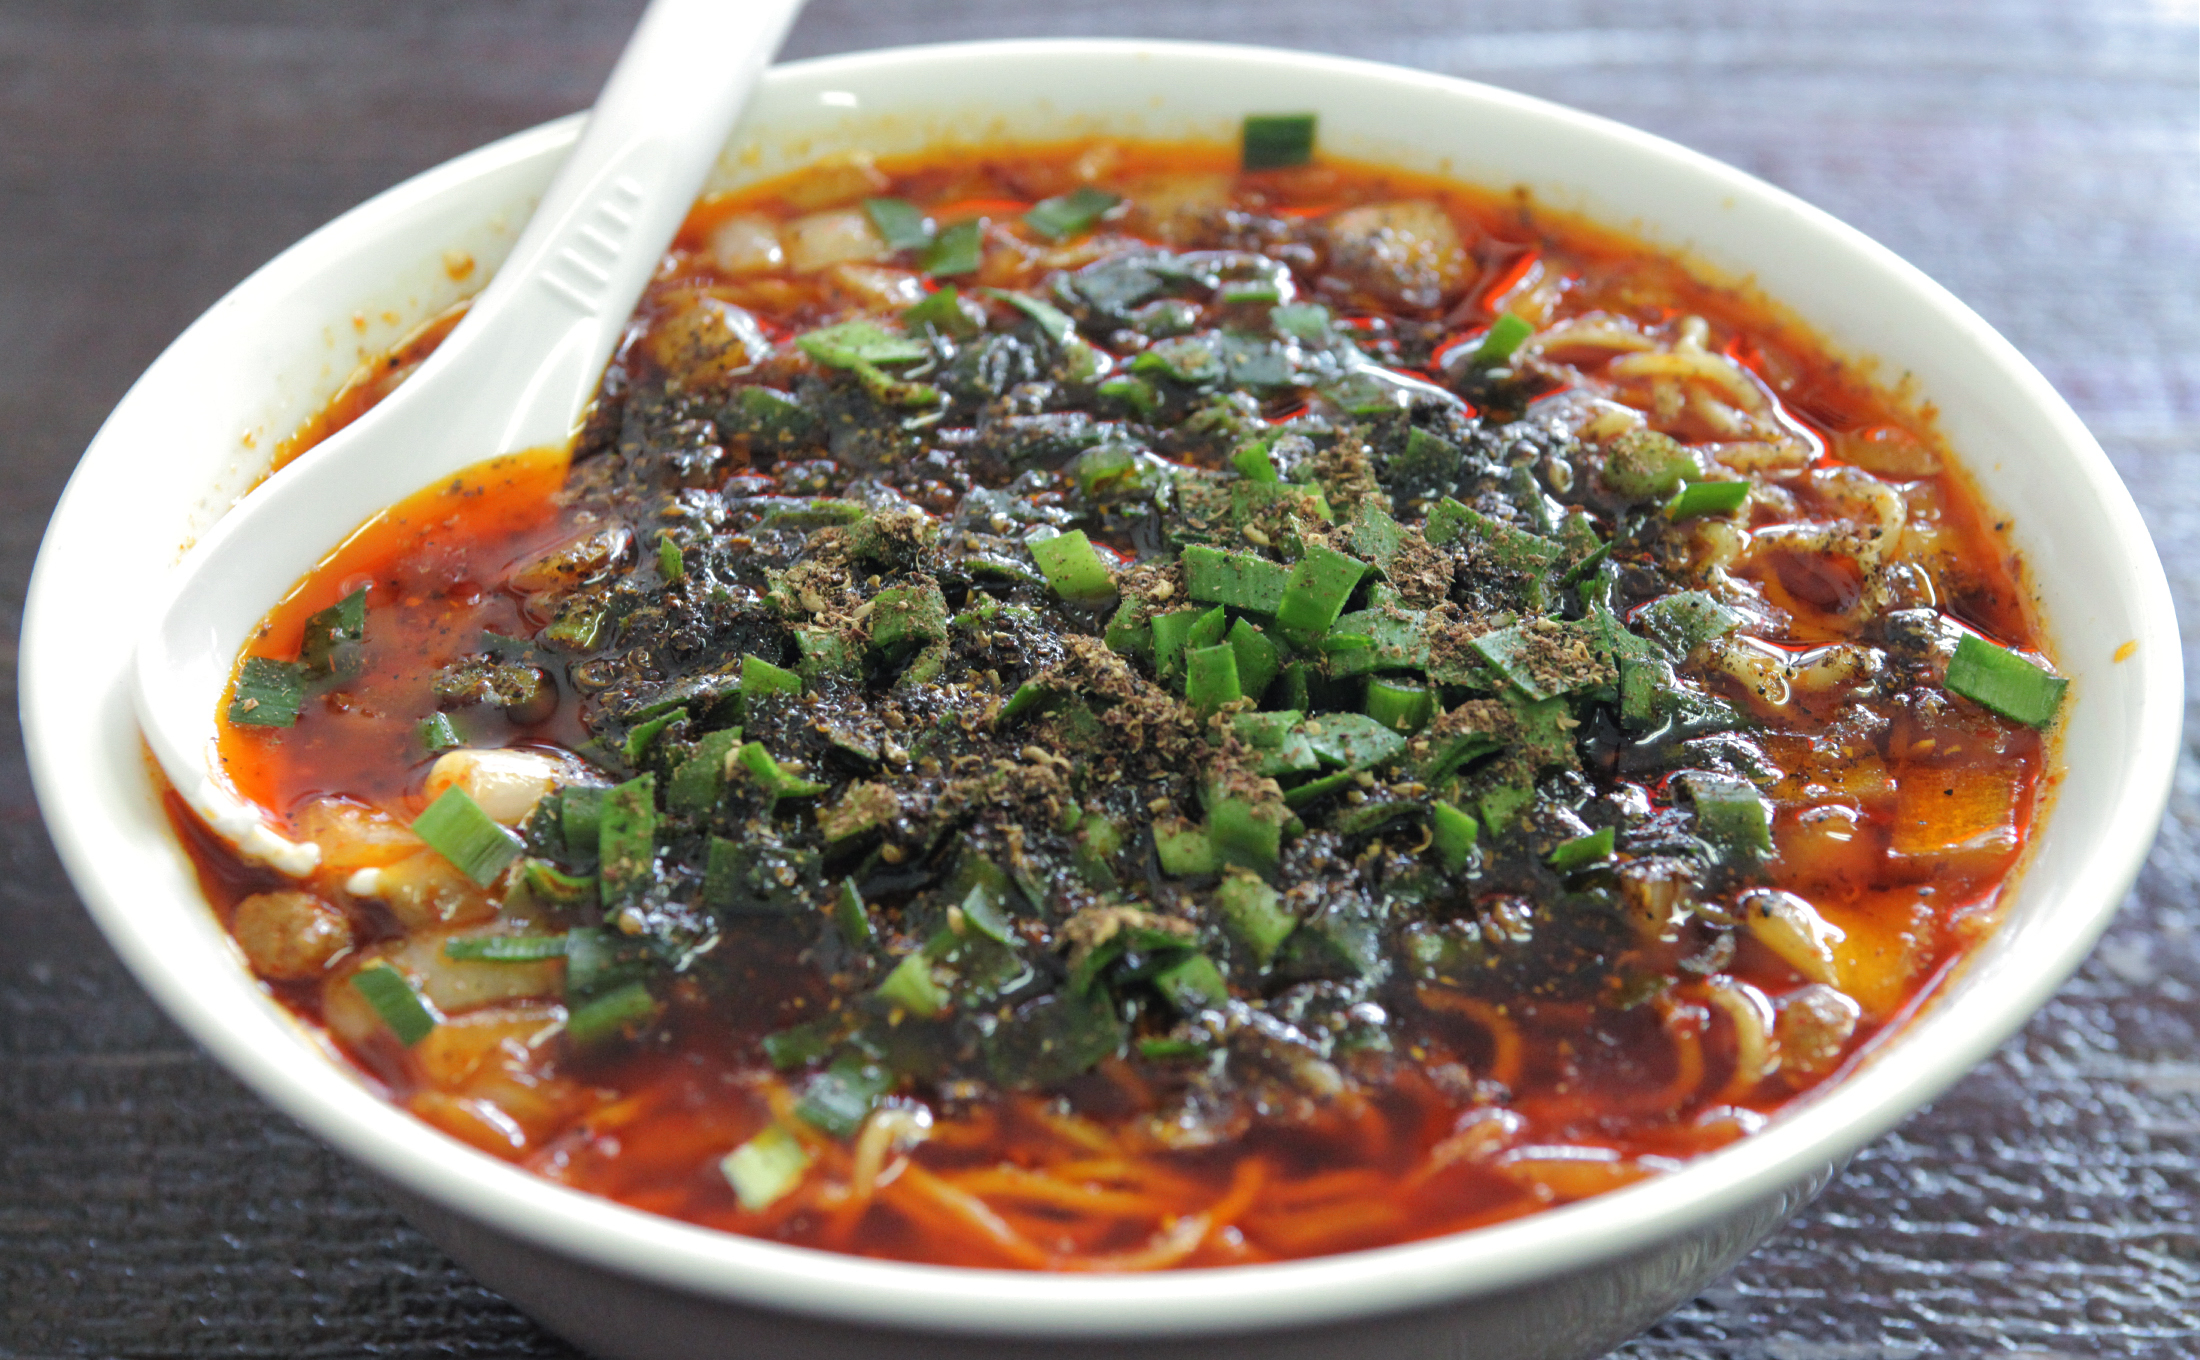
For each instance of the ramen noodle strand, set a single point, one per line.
(1510, 1054)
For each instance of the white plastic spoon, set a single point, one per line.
(516, 374)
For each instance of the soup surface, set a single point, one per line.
(1095, 707)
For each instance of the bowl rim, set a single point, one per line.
(967, 1300)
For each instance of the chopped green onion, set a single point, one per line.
(1730, 813)
(578, 626)
(1240, 580)
(322, 649)
(626, 838)
(1207, 629)
(671, 564)
(1582, 851)
(1506, 334)
(1184, 851)
(436, 732)
(767, 1168)
(1135, 393)
(958, 249)
(1193, 984)
(1245, 835)
(504, 948)
(1277, 141)
(778, 782)
(1052, 320)
(1258, 658)
(701, 778)
(1453, 833)
(982, 915)
(801, 1045)
(1164, 1050)
(1070, 213)
(455, 827)
(1211, 677)
(1707, 498)
(1399, 705)
(943, 310)
(1353, 740)
(901, 224)
(760, 677)
(912, 988)
(393, 998)
(548, 883)
(580, 817)
(1302, 794)
(854, 343)
(1253, 291)
(1027, 697)
(644, 734)
(1254, 914)
(1315, 592)
(1171, 633)
(268, 693)
(1074, 568)
(1253, 463)
(620, 1011)
(839, 1098)
(2004, 682)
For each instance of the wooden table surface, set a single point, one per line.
(2039, 157)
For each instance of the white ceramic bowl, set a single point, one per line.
(200, 427)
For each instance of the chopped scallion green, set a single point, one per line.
(901, 224)
(1193, 984)
(437, 733)
(958, 249)
(1277, 141)
(1315, 593)
(455, 827)
(1582, 851)
(620, 1011)
(912, 987)
(849, 914)
(2004, 682)
(943, 310)
(1211, 677)
(626, 838)
(393, 998)
(1070, 213)
(1505, 336)
(1074, 568)
(504, 948)
(778, 782)
(1707, 498)
(1240, 580)
(1730, 813)
(268, 693)
(1453, 833)
(326, 647)
(767, 1168)
(671, 564)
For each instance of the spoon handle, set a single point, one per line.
(572, 277)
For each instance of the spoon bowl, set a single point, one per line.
(516, 374)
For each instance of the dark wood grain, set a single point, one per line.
(2040, 157)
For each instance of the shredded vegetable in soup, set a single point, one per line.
(1110, 707)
